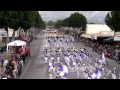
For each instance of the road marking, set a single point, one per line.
(26, 69)
(108, 73)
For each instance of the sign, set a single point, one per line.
(117, 33)
(116, 38)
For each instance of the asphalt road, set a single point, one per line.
(37, 69)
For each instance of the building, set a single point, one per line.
(95, 31)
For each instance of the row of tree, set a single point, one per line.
(76, 20)
(20, 20)
(112, 19)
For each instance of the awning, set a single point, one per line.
(86, 36)
(111, 39)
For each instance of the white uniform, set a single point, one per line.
(67, 60)
(64, 71)
(96, 65)
(78, 74)
(74, 63)
(58, 59)
(114, 76)
(50, 66)
(103, 70)
(85, 75)
(46, 59)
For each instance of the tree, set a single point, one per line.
(66, 22)
(50, 23)
(59, 23)
(20, 19)
(77, 20)
(6, 22)
(17, 16)
(112, 19)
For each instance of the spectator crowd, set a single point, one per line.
(110, 51)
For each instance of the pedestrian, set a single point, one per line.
(2, 61)
(19, 68)
(23, 58)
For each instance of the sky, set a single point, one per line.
(92, 16)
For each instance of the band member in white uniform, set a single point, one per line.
(46, 58)
(89, 75)
(96, 64)
(63, 71)
(78, 74)
(51, 66)
(97, 74)
(103, 69)
(67, 42)
(114, 73)
(67, 60)
(85, 74)
(58, 58)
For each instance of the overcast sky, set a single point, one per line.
(92, 16)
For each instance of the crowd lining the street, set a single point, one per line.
(110, 51)
(12, 66)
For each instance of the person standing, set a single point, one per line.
(2, 61)
(23, 58)
(19, 67)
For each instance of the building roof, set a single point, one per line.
(97, 28)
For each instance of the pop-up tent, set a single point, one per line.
(16, 43)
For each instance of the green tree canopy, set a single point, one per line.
(112, 19)
(76, 20)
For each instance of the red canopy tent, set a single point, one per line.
(21, 37)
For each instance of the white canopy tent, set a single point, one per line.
(16, 43)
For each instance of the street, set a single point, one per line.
(37, 69)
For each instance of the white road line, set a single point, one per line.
(26, 69)
(108, 73)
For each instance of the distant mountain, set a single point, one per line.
(92, 16)
(98, 18)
